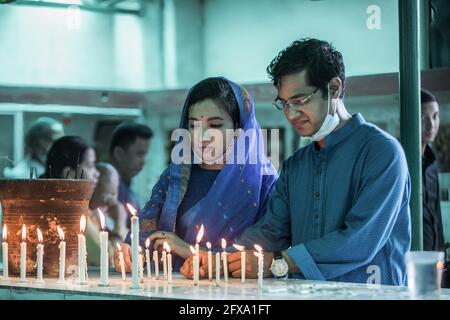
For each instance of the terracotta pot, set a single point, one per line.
(44, 203)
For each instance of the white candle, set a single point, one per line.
(62, 255)
(141, 265)
(195, 265)
(121, 262)
(147, 258)
(225, 260)
(82, 252)
(104, 256)
(40, 258)
(164, 261)
(134, 248)
(260, 256)
(217, 268)
(5, 255)
(242, 250)
(169, 262)
(208, 244)
(23, 256)
(156, 262)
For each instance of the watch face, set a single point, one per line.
(279, 267)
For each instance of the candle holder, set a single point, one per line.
(44, 204)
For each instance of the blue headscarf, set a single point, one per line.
(237, 197)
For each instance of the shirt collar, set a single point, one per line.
(337, 136)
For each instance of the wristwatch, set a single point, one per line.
(279, 266)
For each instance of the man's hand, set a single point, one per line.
(251, 264)
(177, 245)
(126, 249)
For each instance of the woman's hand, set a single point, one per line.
(187, 269)
(126, 249)
(177, 245)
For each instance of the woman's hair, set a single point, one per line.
(67, 151)
(218, 90)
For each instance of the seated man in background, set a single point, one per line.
(127, 151)
(38, 140)
(433, 234)
(105, 197)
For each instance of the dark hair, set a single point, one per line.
(219, 90)
(67, 151)
(426, 96)
(125, 134)
(320, 59)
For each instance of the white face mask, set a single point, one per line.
(330, 122)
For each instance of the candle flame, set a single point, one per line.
(166, 246)
(224, 243)
(192, 250)
(82, 224)
(132, 209)
(102, 218)
(60, 232)
(208, 245)
(24, 232)
(240, 248)
(40, 237)
(200, 234)
(119, 247)
(147, 243)
(4, 232)
(258, 248)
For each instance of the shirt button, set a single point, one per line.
(317, 194)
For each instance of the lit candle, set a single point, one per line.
(260, 256)
(134, 247)
(23, 256)
(40, 258)
(141, 265)
(62, 255)
(82, 252)
(121, 261)
(217, 268)
(225, 260)
(208, 245)
(164, 261)
(103, 251)
(169, 262)
(199, 237)
(195, 265)
(156, 262)
(5, 255)
(147, 258)
(242, 250)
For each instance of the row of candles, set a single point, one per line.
(196, 257)
(137, 256)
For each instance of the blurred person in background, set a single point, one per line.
(38, 140)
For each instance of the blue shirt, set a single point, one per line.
(343, 210)
(126, 195)
(200, 181)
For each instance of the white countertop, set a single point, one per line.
(181, 288)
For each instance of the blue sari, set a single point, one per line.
(236, 200)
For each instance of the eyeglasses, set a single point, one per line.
(294, 104)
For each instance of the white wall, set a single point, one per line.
(40, 47)
(241, 37)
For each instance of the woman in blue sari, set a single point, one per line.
(226, 191)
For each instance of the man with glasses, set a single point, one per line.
(340, 209)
